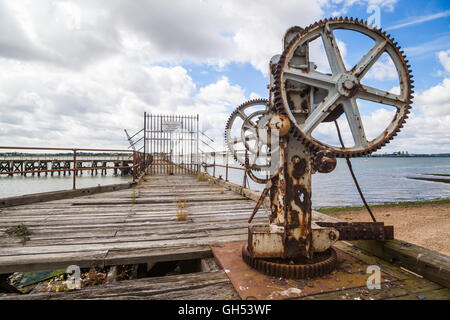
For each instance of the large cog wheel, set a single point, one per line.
(342, 87)
(251, 135)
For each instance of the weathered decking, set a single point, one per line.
(117, 228)
(108, 229)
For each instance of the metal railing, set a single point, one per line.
(219, 164)
(138, 162)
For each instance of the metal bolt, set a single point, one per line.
(348, 84)
(332, 235)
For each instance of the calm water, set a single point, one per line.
(381, 179)
(19, 185)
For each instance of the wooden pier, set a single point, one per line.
(143, 226)
(65, 166)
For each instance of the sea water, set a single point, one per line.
(381, 179)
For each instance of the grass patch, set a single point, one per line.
(437, 174)
(133, 196)
(20, 231)
(332, 210)
(201, 177)
(182, 214)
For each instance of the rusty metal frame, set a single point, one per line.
(173, 151)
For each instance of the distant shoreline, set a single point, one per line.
(328, 210)
(390, 155)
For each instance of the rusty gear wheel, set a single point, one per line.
(258, 134)
(342, 87)
(293, 271)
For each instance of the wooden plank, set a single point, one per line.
(397, 289)
(57, 248)
(37, 262)
(150, 200)
(46, 196)
(108, 229)
(438, 294)
(430, 264)
(215, 284)
(117, 257)
(209, 265)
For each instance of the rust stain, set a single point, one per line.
(324, 161)
(251, 284)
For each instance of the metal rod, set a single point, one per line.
(134, 167)
(145, 140)
(226, 170)
(214, 165)
(74, 186)
(197, 156)
(349, 164)
(136, 133)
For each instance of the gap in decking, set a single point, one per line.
(95, 276)
(168, 268)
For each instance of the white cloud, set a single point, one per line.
(444, 58)
(78, 33)
(383, 69)
(436, 100)
(92, 108)
(421, 19)
(222, 92)
(254, 95)
(75, 73)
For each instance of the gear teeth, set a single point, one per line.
(229, 125)
(296, 271)
(310, 142)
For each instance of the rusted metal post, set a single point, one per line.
(214, 164)
(197, 146)
(134, 167)
(244, 181)
(74, 168)
(145, 138)
(226, 168)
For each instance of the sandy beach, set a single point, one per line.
(424, 224)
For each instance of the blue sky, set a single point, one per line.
(71, 68)
(422, 29)
(420, 40)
